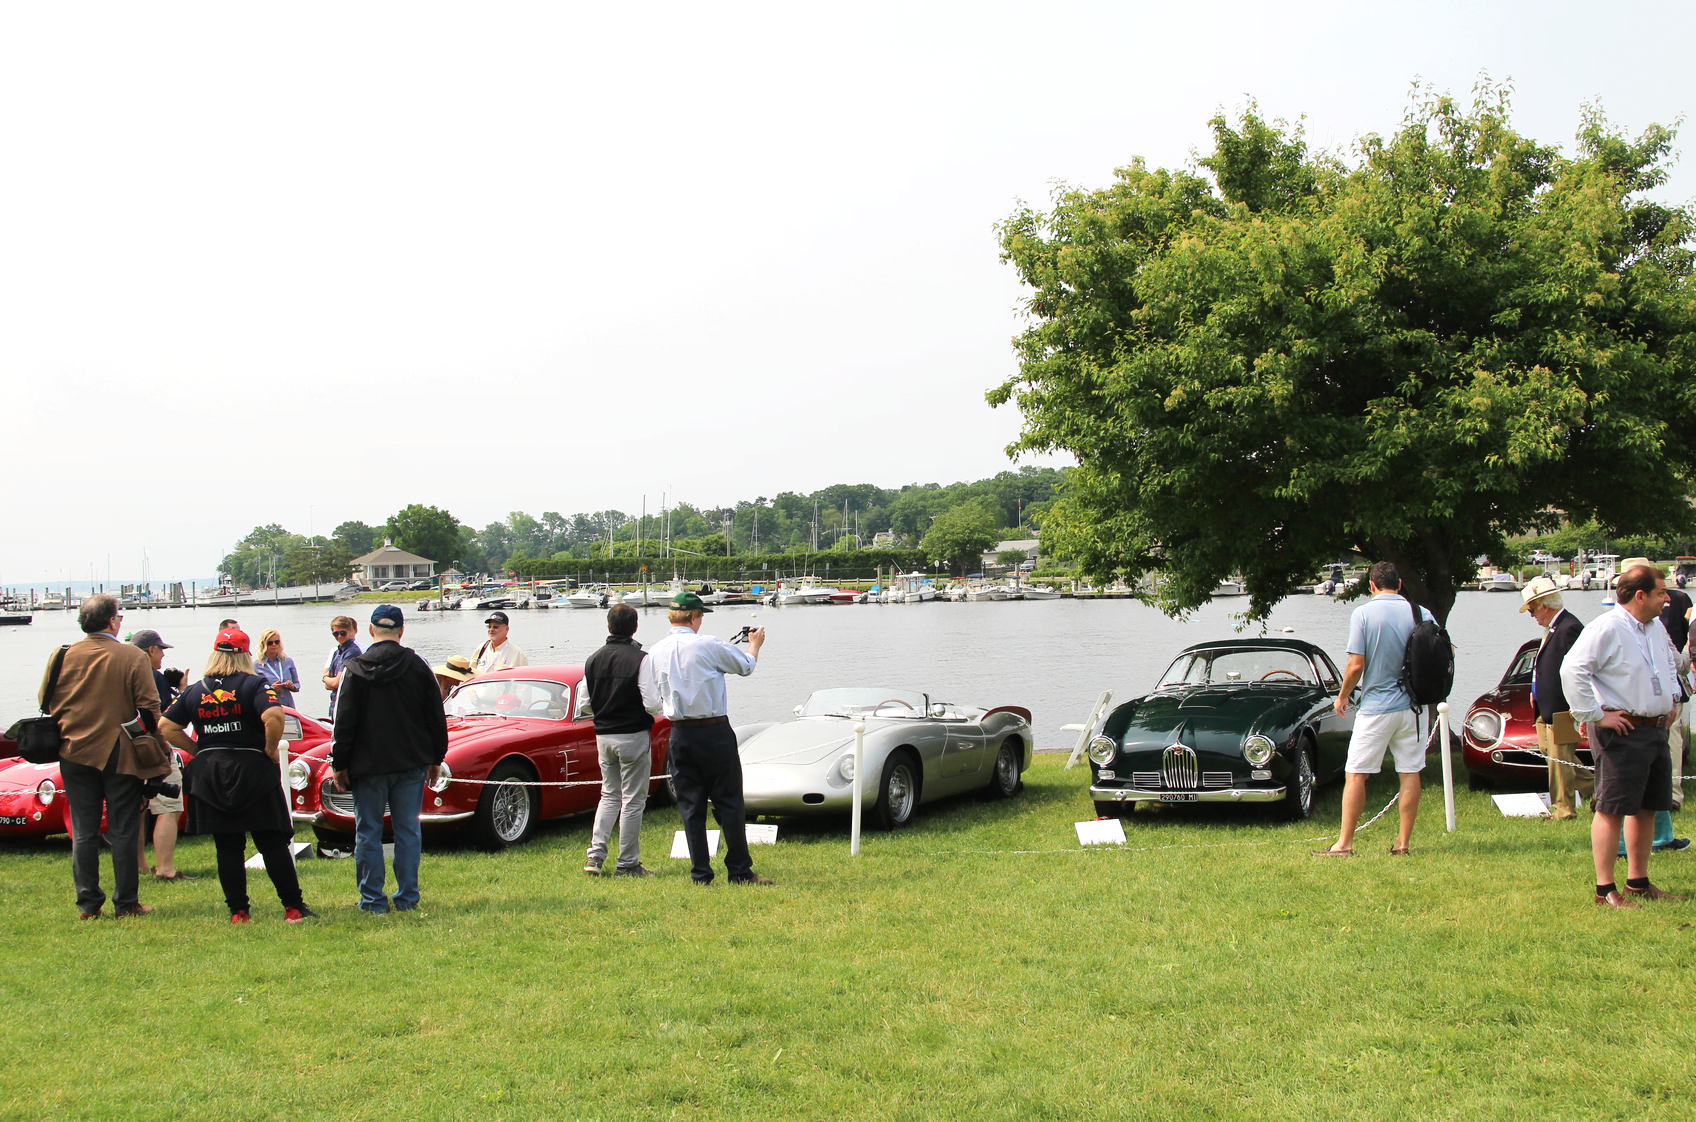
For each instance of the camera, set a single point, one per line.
(155, 787)
(173, 678)
(741, 636)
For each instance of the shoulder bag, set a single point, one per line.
(39, 738)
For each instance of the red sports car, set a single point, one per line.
(1499, 738)
(526, 724)
(32, 796)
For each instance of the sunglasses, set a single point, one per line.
(339, 634)
(273, 642)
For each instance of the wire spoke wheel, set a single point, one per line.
(506, 811)
(511, 812)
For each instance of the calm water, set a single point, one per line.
(1051, 656)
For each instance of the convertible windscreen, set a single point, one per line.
(864, 702)
(543, 701)
(1225, 667)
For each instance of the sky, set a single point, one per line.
(309, 263)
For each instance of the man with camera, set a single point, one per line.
(683, 677)
(102, 683)
(166, 806)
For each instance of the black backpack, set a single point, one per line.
(1428, 664)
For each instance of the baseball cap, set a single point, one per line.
(1535, 590)
(148, 638)
(497, 617)
(688, 602)
(231, 640)
(388, 617)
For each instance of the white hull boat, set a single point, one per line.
(1038, 592)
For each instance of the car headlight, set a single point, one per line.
(1257, 750)
(299, 775)
(1102, 750)
(1485, 725)
(441, 783)
(46, 792)
(845, 768)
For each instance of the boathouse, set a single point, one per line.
(393, 563)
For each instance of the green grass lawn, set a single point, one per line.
(1187, 975)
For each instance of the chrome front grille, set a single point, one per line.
(341, 802)
(1178, 767)
(1215, 779)
(1147, 780)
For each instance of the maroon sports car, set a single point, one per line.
(1499, 738)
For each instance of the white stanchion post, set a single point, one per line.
(859, 761)
(1101, 704)
(1448, 765)
(283, 770)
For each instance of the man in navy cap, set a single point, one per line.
(683, 677)
(388, 741)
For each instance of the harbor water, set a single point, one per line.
(1053, 657)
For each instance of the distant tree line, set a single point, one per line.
(946, 525)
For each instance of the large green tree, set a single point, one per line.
(426, 531)
(1447, 340)
(958, 537)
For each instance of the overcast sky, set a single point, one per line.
(307, 263)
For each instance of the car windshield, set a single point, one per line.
(1238, 664)
(1520, 672)
(531, 700)
(858, 701)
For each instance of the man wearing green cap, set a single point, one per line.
(683, 677)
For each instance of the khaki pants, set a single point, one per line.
(1564, 780)
(1678, 738)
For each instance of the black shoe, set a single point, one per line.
(632, 871)
(1673, 846)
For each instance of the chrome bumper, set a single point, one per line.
(1214, 795)
(456, 816)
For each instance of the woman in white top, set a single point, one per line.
(497, 653)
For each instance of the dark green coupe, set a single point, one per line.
(1234, 721)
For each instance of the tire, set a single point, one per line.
(506, 815)
(897, 792)
(1005, 780)
(1298, 799)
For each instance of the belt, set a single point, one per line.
(1653, 722)
(700, 720)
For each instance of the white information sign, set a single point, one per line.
(762, 833)
(680, 844)
(297, 849)
(1101, 831)
(1525, 804)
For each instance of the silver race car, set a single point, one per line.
(917, 749)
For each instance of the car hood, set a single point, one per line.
(1211, 717)
(808, 741)
(478, 732)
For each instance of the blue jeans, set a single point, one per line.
(401, 793)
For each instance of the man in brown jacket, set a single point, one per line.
(103, 683)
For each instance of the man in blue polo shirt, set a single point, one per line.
(1387, 719)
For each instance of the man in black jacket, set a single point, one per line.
(622, 733)
(388, 741)
(1556, 734)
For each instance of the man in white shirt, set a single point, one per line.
(1620, 679)
(497, 651)
(683, 677)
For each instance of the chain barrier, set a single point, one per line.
(1573, 763)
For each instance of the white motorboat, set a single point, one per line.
(1040, 592)
(910, 588)
(1229, 588)
(1499, 582)
(582, 598)
(805, 591)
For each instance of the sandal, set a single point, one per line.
(1333, 853)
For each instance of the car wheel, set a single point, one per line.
(1298, 799)
(1004, 778)
(898, 792)
(506, 813)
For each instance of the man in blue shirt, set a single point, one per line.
(1387, 719)
(342, 630)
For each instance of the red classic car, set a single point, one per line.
(1499, 738)
(527, 724)
(32, 796)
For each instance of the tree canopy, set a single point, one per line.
(426, 531)
(959, 536)
(1458, 336)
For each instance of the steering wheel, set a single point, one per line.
(894, 701)
(1280, 670)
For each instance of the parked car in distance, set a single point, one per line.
(421, 586)
(1236, 720)
(511, 727)
(393, 586)
(1499, 737)
(917, 749)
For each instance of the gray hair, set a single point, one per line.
(96, 612)
(1552, 600)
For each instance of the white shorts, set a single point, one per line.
(160, 804)
(1373, 732)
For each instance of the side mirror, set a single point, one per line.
(796, 710)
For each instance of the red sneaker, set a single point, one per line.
(299, 915)
(238, 917)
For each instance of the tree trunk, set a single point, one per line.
(1427, 570)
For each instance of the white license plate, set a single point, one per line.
(1177, 797)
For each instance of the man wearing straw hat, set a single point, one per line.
(1556, 733)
